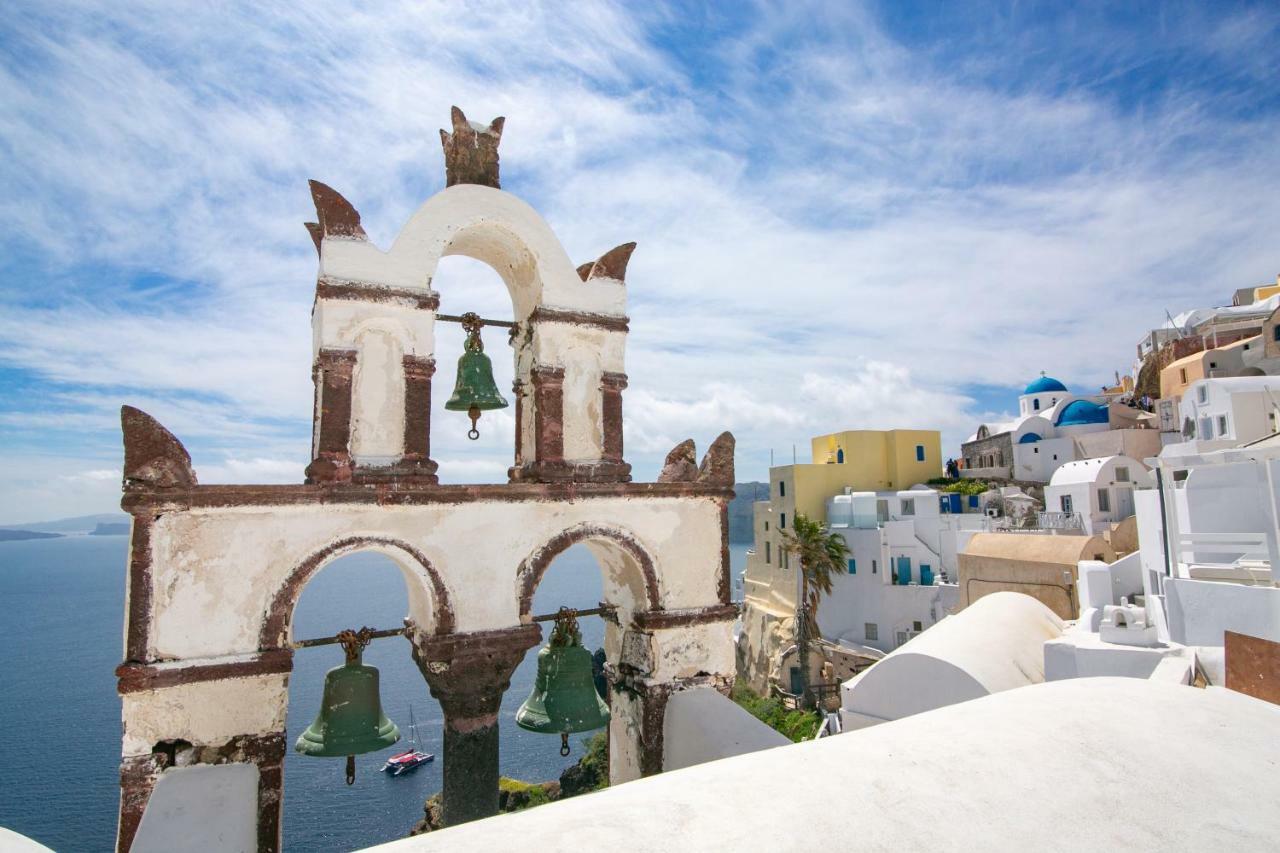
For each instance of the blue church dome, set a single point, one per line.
(1082, 412)
(1043, 385)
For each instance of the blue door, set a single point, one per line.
(904, 571)
(926, 574)
(955, 502)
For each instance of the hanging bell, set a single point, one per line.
(474, 391)
(564, 697)
(350, 721)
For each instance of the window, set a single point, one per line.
(1035, 450)
(908, 506)
(1104, 500)
(853, 566)
(1222, 425)
(840, 455)
(1275, 333)
(786, 559)
(766, 527)
(1122, 474)
(1212, 365)
(782, 521)
(1202, 394)
(916, 626)
(1182, 375)
(1035, 404)
(871, 630)
(1065, 503)
(782, 489)
(1206, 428)
(874, 567)
(973, 501)
(919, 452)
(768, 552)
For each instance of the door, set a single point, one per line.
(1124, 503)
(796, 686)
(904, 571)
(882, 510)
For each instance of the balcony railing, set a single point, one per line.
(1059, 521)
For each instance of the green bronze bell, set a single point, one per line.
(564, 697)
(350, 721)
(474, 391)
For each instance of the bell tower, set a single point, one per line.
(373, 363)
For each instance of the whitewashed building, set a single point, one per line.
(1099, 492)
(902, 567)
(1054, 427)
(1219, 413)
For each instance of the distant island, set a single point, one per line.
(114, 528)
(16, 535)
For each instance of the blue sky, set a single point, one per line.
(848, 215)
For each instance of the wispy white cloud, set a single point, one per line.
(838, 227)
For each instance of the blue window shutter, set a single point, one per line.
(853, 566)
(973, 501)
(919, 452)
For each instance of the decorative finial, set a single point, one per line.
(471, 151)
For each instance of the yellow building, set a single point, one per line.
(1175, 378)
(858, 460)
(863, 460)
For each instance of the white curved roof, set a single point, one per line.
(1064, 766)
(994, 644)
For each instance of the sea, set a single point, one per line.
(61, 636)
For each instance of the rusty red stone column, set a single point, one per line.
(548, 416)
(468, 674)
(417, 462)
(333, 373)
(611, 387)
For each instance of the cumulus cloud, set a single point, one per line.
(839, 226)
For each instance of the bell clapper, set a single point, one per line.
(474, 414)
(351, 769)
(564, 743)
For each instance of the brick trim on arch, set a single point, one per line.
(275, 629)
(535, 565)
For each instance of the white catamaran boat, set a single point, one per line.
(412, 758)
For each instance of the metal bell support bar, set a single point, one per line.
(604, 611)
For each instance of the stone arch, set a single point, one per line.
(642, 579)
(421, 578)
(498, 229)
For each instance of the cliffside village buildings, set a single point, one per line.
(1135, 482)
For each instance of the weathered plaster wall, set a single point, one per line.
(217, 571)
(204, 712)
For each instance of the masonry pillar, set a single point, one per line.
(139, 776)
(469, 673)
(548, 416)
(332, 427)
(417, 463)
(663, 652)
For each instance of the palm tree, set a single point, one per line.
(822, 555)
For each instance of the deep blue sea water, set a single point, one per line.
(61, 622)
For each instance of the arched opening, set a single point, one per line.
(574, 578)
(466, 285)
(351, 584)
(580, 568)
